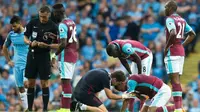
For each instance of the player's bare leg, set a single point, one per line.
(169, 108)
(144, 108)
(31, 93)
(103, 108)
(66, 94)
(176, 91)
(158, 109)
(45, 93)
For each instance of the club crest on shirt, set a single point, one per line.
(45, 37)
(61, 30)
(34, 34)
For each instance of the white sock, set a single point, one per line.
(83, 107)
(23, 97)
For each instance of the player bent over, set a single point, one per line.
(84, 95)
(140, 55)
(149, 88)
(135, 51)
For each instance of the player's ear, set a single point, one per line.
(113, 81)
(123, 82)
(49, 15)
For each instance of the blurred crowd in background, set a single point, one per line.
(99, 22)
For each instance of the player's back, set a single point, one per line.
(70, 53)
(20, 48)
(138, 47)
(148, 85)
(94, 80)
(176, 49)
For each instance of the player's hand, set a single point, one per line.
(42, 45)
(10, 63)
(165, 52)
(53, 62)
(53, 55)
(34, 43)
(126, 96)
(142, 97)
(50, 35)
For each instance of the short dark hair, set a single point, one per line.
(15, 19)
(58, 7)
(45, 8)
(173, 5)
(119, 75)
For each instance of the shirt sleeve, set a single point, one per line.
(131, 84)
(63, 30)
(170, 24)
(106, 80)
(56, 32)
(187, 29)
(127, 49)
(28, 29)
(7, 41)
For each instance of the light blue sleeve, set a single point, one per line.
(170, 24)
(128, 49)
(8, 41)
(187, 29)
(131, 85)
(63, 30)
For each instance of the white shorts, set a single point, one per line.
(146, 65)
(161, 98)
(174, 64)
(67, 70)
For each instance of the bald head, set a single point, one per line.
(170, 7)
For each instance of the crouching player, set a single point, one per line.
(85, 94)
(149, 88)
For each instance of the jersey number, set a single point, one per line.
(144, 69)
(73, 34)
(181, 30)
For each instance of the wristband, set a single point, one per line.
(30, 43)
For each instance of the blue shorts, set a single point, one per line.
(19, 73)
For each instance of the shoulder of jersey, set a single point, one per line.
(34, 20)
(68, 19)
(11, 32)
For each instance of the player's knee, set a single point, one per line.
(175, 78)
(31, 83)
(26, 84)
(152, 109)
(21, 89)
(66, 81)
(44, 83)
(102, 108)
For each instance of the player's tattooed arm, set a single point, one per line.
(172, 36)
(62, 45)
(125, 64)
(138, 61)
(190, 36)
